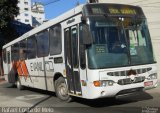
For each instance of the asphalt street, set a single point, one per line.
(34, 100)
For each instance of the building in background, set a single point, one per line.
(24, 12)
(38, 14)
(30, 14)
(151, 9)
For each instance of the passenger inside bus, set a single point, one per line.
(21, 54)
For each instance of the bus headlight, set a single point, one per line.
(103, 83)
(152, 76)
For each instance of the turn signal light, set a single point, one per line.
(103, 83)
(97, 83)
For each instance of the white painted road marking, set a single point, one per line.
(30, 97)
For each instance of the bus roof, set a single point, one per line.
(48, 24)
(90, 9)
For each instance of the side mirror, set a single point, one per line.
(87, 38)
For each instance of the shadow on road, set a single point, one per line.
(97, 103)
(36, 104)
(106, 102)
(40, 91)
(8, 85)
(103, 102)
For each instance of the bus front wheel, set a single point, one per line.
(62, 90)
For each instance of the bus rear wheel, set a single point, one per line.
(62, 90)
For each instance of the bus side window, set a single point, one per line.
(81, 48)
(55, 40)
(4, 56)
(31, 47)
(42, 43)
(15, 52)
(23, 50)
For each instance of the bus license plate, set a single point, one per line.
(150, 83)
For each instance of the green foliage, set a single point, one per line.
(8, 10)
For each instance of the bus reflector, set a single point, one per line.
(97, 83)
(64, 72)
(84, 83)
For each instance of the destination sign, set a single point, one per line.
(113, 9)
(122, 11)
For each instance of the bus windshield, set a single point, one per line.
(119, 42)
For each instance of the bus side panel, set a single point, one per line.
(54, 65)
(9, 69)
(29, 80)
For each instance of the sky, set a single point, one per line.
(59, 7)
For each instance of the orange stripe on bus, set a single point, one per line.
(19, 69)
(24, 68)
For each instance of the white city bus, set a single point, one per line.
(92, 51)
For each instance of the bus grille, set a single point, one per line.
(125, 73)
(130, 81)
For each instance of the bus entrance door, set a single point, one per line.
(72, 60)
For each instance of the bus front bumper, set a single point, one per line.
(119, 90)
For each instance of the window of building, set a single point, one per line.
(26, 3)
(55, 40)
(19, 20)
(31, 47)
(42, 43)
(26, 20)
(15, 52)
(26, 9)
(25, 14)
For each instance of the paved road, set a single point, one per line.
(13, 100)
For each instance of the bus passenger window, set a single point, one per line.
(15, 52)
(31, 48)
(42, 44)
(55, 40)
(23, 50)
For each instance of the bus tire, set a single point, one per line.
(19, 85)
(61, 90)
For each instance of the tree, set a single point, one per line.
(8, 11)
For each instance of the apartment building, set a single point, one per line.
(25, 15)
(30, 14)
(38, 14)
